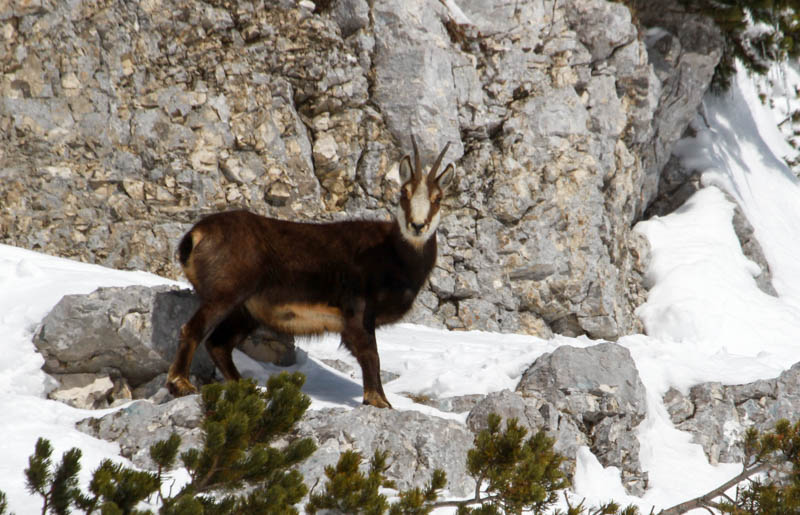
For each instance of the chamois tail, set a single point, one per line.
(185, 248)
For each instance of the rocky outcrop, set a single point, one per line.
(591, 396)
(417, 444)
(684, 49)
(115, 344)
(139, 425)
(582, 397)
(122, 123)
(718, 416)
(110, 345)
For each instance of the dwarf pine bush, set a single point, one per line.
(240, 421)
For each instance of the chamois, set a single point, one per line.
(309, 278)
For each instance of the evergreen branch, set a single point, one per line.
(466, 502)
(704, 501)
(212, 469)
(478, 484)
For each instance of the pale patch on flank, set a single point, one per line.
(297, 317)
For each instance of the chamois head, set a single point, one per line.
(421, 196)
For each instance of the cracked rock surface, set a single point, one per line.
(717, 415)
(121, 123)
(591, 396)
(115, 344)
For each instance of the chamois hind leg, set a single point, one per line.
(227, 336)
(359, 338)
(205, 319)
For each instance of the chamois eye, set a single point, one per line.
(405, 191)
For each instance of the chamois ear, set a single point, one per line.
(405, 169)
(446, 177)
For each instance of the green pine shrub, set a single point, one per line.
(513, 474)
(348, 490)
(240, 422)
(776, 449)
(58, 486)
(518, 474)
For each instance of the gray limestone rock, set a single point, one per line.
(605, 26)
(718, 415)
(417, 444)
(752, 249)
(141, 424)
(131, 331)
(351, 15)
(132, 334)
(114, 140)
(90, 391)
(684, 50)
(456, 404)
(599, 400)
(595, 382)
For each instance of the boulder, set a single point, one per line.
(417, 444)
(142, 423)
(131, 334)
(591, 396)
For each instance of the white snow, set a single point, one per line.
(706, 320)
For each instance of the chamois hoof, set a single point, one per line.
(180, 386)
(375, 399)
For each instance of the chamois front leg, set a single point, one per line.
(359, 337)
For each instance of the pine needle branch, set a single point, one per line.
(704, 501)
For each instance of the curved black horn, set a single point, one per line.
(417, 164)
(435, 166)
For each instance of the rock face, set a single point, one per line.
(141, 424)
(417, 444)
(121, 125)
(684, 50)
(105, 345)
(590, 396)
(718, 416)
(130, 332)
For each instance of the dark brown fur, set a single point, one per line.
(299, 278)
